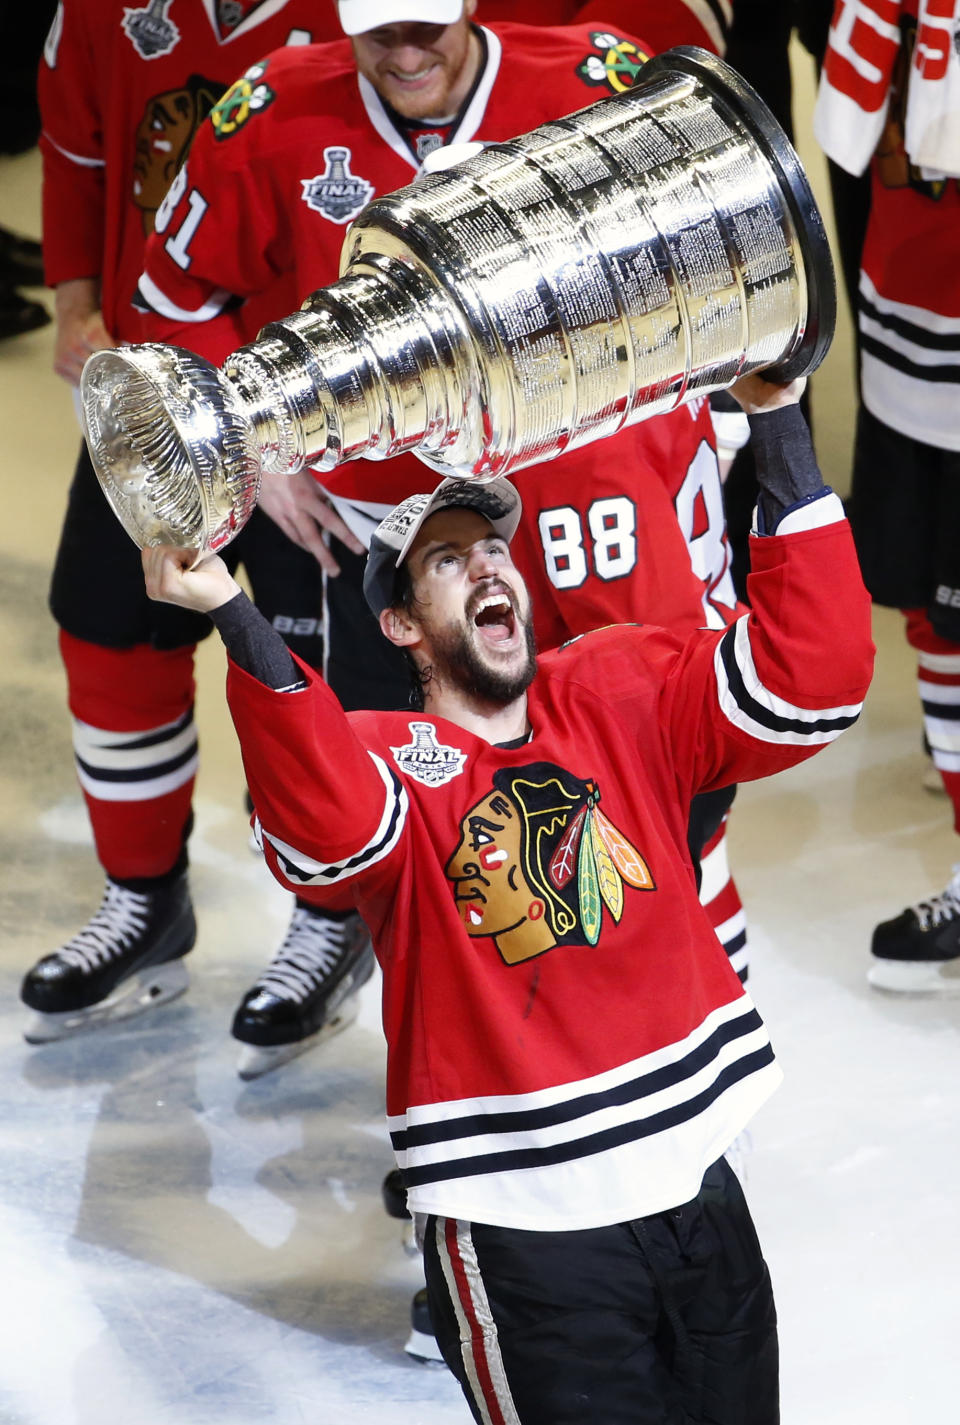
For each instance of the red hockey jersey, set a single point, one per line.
(568, 1045)
(122, 91)
(255, 222)
(909, 315)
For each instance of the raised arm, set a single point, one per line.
(329, 810)
(785, 680)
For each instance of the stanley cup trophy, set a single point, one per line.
(539, 295)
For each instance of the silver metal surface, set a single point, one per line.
(542, 294)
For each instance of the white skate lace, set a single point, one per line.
(122, 916)
(312, 948)
(938, 910)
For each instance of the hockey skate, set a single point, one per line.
(126, 959)
(422, 1343)
(308, 991)
(919, 950)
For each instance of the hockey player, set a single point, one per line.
(569, 1050)
(887, 99)
(122, 91)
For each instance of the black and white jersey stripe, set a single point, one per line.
(626, 1119)
(135, 766)
(910, 367)
(756, 710)
(300, 869)
(150, 298)
(915, 341)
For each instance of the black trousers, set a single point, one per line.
(665, 1320)
(905, 518)
(97, 592)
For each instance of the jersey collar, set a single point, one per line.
(465, 125)
(256, 16)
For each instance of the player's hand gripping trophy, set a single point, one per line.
(541, 294)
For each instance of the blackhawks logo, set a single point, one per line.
(615, 66)
(538, 863)
(242, 100)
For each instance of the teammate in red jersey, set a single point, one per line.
(569, 1050)
(122, 90)
(892, 111)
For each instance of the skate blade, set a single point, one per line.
(917, 977)
(258, 1059)
(424, 1348)
(148, 989)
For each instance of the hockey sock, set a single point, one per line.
(135, 746)
(938, 680)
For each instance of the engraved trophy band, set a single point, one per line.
(543, 293)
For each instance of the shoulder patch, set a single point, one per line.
(248, 96)
(336, 192)
(150, 29)
(615, 65)
(426, 759)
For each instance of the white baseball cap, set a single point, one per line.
(356, 16)
(497, 500)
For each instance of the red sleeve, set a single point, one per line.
(787, 679)
(328, 808)
(72, 147)
(773, 689)
(664, 23)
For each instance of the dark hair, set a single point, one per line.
(405, 598)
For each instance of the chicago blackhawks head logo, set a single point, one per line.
(164, 132)
(538, 861)
(615, 66)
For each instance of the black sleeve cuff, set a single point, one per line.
(254, 646)
(787, 470)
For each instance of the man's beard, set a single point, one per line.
(457, 661)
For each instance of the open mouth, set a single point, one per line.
(494, 619)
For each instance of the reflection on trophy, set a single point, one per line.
(539, 295)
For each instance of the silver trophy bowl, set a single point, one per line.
(540, 295)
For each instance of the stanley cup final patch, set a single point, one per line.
(150, 29)
(426, 759)
(336, 192)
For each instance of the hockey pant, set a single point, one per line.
(665, 1320)
(938, 678)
